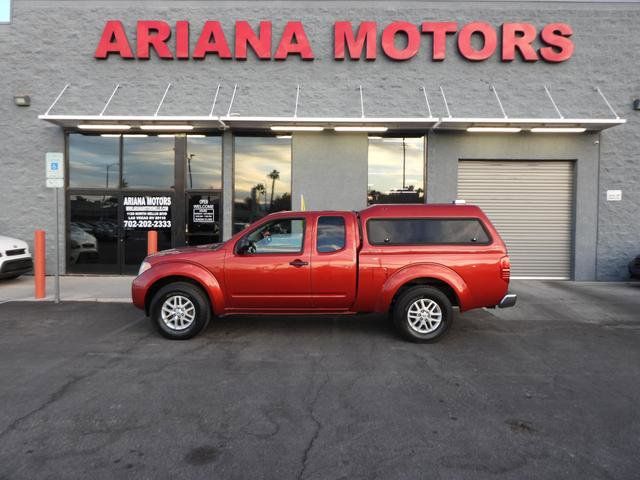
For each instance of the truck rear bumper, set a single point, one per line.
(509, 300)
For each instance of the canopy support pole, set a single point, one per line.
(162, 100)
(607, 102)
(215, 98)
(295, 110)
(110, 98)
(426, 100)
(446, 104)
(57, 98)
(553, 102)
(233, 97)
(495, 92)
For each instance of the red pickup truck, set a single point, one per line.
(413, 261)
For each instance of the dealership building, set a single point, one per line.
(196, 118)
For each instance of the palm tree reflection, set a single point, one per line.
(274, 175)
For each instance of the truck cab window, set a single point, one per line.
(331, 234)
(279, 236)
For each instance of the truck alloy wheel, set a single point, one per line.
(422, 314)
(180, 310)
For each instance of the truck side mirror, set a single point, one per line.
(245, 247)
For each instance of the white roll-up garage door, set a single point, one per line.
(531, 205)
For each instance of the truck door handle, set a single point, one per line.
(298, 263)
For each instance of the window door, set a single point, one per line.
(202, 218)
(335, 262)
(93, 233)
(139, 213)
(270, 268)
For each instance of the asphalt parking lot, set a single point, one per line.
(550, 389)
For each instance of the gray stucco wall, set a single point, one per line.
(330, 170)
(50, 43)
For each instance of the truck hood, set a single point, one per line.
(209, 247)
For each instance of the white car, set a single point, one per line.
(82, 245)
(15, 258)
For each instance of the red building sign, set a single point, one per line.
(397, 41)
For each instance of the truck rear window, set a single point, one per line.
(426, 231)
(331, 234)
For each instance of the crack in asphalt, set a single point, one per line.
(317, 424)
(54, 397)
(62, 390)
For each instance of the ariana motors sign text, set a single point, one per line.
(475, 41)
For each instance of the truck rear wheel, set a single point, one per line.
(180, 310)
(423, 314)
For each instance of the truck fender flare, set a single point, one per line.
(423, 270)
(194, 272)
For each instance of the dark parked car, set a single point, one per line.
(634, 267)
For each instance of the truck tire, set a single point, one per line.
(180, 310)
(423, 314)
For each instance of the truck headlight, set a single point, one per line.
(144, 266)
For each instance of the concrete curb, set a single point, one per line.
(73, 288)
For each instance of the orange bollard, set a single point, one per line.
(152, 242)
(39, 263)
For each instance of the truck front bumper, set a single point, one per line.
(138, 292)
(509, 300)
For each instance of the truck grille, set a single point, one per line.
(16, 251)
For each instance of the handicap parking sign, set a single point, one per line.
(54, 170)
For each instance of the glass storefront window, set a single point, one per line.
(148, 162)
(204, 163)
(94, 161)
(262, 178)
(396, 170)
(92, 243)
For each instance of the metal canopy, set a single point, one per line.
(201, 123)
(591, 124)
(238, 122)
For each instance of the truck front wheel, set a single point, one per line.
(422, 314)
(180, 310)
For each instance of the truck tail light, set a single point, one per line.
(505, 268)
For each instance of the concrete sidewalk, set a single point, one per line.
(78, 288)
(593, 302)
